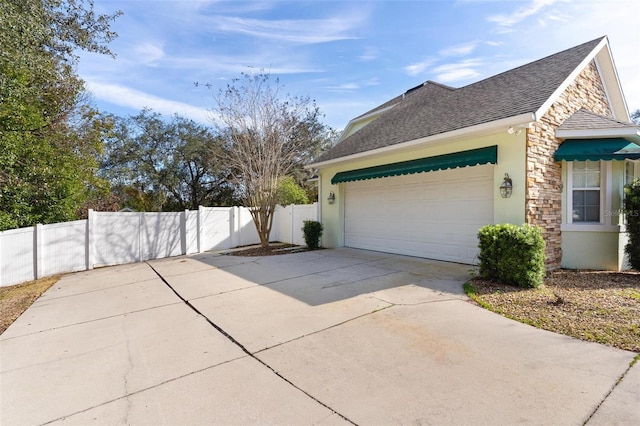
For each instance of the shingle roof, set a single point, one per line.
(587, 120)
(432, 108)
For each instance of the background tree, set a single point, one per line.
(635, 116)
(50, 137)
(267, 136)
(319, 138)
(289, 192)
(155, 165)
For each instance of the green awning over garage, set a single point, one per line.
(488, 155)
(597, 149)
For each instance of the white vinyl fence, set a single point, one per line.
(107, 238)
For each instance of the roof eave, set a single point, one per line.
(484, 128)
(629, 133)
(606, 67)
(352, 123)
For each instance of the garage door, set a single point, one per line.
(434, 215)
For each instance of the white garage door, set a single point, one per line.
(434, 215)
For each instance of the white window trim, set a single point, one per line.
(636, 169)
(606, 185)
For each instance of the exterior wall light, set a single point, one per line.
(331, 198)
(506, 188)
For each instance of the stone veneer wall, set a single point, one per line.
(544, 176)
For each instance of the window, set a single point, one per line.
(586, 192)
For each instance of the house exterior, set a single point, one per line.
(421, 173)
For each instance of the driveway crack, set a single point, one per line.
(244, 349)
(127, 374)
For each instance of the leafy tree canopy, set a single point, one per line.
(50, 137)
(289, 192)
(155, 164)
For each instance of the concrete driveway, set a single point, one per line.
(327, 337)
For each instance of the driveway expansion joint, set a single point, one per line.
(129, 395)
(48, 299)
(615, 385)
(244, 349)
(426, 302)
(88, 321)
(391, 305)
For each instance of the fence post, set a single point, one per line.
(2, 265)
(293, 216)
(141, 223)
(232, 226)
(199, 229)
(38, 248)
(88, 236)
(183, 232)
(235, 232)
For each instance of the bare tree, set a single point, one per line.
(265, 141)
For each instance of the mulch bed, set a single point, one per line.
(274, 249)
(596, 306)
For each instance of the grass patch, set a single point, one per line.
(14, 300)
(601, 307)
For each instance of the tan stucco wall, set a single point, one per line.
(511, 154)
(591, 250)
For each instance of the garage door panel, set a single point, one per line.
(435, 214)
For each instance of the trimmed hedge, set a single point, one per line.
(632, 212)
(312, 232)
(512, 254)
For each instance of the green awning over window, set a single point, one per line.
(597, 149)
(488, 155)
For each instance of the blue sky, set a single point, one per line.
(349, 56)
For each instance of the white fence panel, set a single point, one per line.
(190, 232)
(116, 238)
(62, 247)
(160, 235)
(17, 254)
(215, 228)
(300, 213)
(283, 222)
(246, 229)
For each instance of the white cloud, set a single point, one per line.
(375, 81)
(345, 87)
(460, 49)
(464, 70)
(235, 65)
(370, 54)
(589, 20)
(148, 53)
(505, 22)
(130, 98)
(418, 67)
(305, 31)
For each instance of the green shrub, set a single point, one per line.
(632, 212)
(312, 233)
(512, 254)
